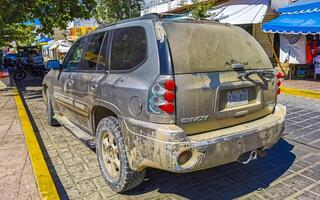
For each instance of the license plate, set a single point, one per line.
(237, 98)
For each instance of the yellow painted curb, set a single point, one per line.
(302, 93)
(46, 187)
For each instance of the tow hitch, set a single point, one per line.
(253, 155)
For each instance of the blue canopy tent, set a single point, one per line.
(302, 17)
(41, 40)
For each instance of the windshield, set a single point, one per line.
(205, 47)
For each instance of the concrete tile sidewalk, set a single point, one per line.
(16, 176)
(310, 84)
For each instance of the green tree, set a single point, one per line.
(51, 13)
(108, 11)
(20, 33)
(199, 9)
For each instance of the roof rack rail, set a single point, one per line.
(147, 16)
(155, 16)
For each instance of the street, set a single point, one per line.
(291, 169)
(168, 100)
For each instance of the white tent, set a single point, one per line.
(244, 11)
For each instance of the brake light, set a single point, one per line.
(168, 108)
(169, 96)
(279, 83)
(279, 75)
(162, 97)
(169, 85)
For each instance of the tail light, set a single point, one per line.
(162, 97)
(279, 76)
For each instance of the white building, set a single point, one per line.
(249, 14)
(82, 22)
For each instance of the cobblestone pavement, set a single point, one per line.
(303, 120)
(292, 169)
(16, 176)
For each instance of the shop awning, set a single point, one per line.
(299, 18)
(240, 11)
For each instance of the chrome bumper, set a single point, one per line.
(158, 146)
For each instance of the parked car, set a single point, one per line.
(1, 58)
(10, 60)
(170, 94)
(30, 56)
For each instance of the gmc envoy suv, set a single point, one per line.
(176, 95)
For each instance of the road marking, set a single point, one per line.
(303, 93)
(46, 187)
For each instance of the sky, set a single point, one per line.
(36, 22)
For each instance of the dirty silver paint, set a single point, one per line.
(202, 123)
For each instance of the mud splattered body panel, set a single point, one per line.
(158, 146)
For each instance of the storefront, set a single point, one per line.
(75, 32)
(59, 49)
(249, 15)
(299, 27)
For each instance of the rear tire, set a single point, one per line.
(109, 141)
(50, 113)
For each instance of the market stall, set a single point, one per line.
(59, 49)
(299, 29)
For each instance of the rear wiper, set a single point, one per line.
(262, 74)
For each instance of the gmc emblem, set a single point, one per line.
(188, 120)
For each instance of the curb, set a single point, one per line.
(303, 93)
(46, 187)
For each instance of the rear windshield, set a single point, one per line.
(203, 47)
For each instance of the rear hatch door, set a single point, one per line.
(222, 74)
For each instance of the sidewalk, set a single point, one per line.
(16, 175)
(305, 88)
(303, 84)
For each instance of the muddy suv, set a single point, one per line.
(174, 95)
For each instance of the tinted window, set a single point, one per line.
(103, 56)
(73, 59)
(92, 51)
(129, 46)
(207, 47)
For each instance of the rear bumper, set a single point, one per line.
(158, 146)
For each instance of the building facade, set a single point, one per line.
(79, 27)
(253, 27)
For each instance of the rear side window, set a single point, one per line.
(91, 54)
(129, 48)
(205, 47)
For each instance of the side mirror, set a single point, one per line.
(53, 64)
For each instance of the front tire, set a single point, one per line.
(112, 157)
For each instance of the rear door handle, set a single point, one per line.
(94, 86)
(70, 82)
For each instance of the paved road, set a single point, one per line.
(303, 120)
(292, 169)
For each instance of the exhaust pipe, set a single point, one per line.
(253, 155)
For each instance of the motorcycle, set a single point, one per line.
(35, 70)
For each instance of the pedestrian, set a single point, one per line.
(316, 64)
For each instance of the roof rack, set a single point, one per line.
(148, 16)
(155, 16)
